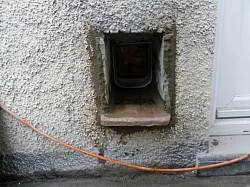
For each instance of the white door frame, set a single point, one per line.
(228, 55)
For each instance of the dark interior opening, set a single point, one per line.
(132, 64)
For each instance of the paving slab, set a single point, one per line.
(156, 180)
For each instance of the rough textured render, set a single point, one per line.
(47, 77)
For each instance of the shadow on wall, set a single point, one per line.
(2, 141)
(5, 165)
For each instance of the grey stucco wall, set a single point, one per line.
(46, 65)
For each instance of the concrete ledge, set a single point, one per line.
(238, 168)
(135, 121)
(136, 115)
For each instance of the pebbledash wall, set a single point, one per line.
(47, 77)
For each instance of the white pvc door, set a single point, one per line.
(233, 59)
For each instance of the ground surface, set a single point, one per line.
(158, 180)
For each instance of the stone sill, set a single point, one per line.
(136, 115)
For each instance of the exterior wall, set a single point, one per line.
(47, 77)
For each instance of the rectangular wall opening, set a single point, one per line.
(136, 71)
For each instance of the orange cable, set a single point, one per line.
(123, 163)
